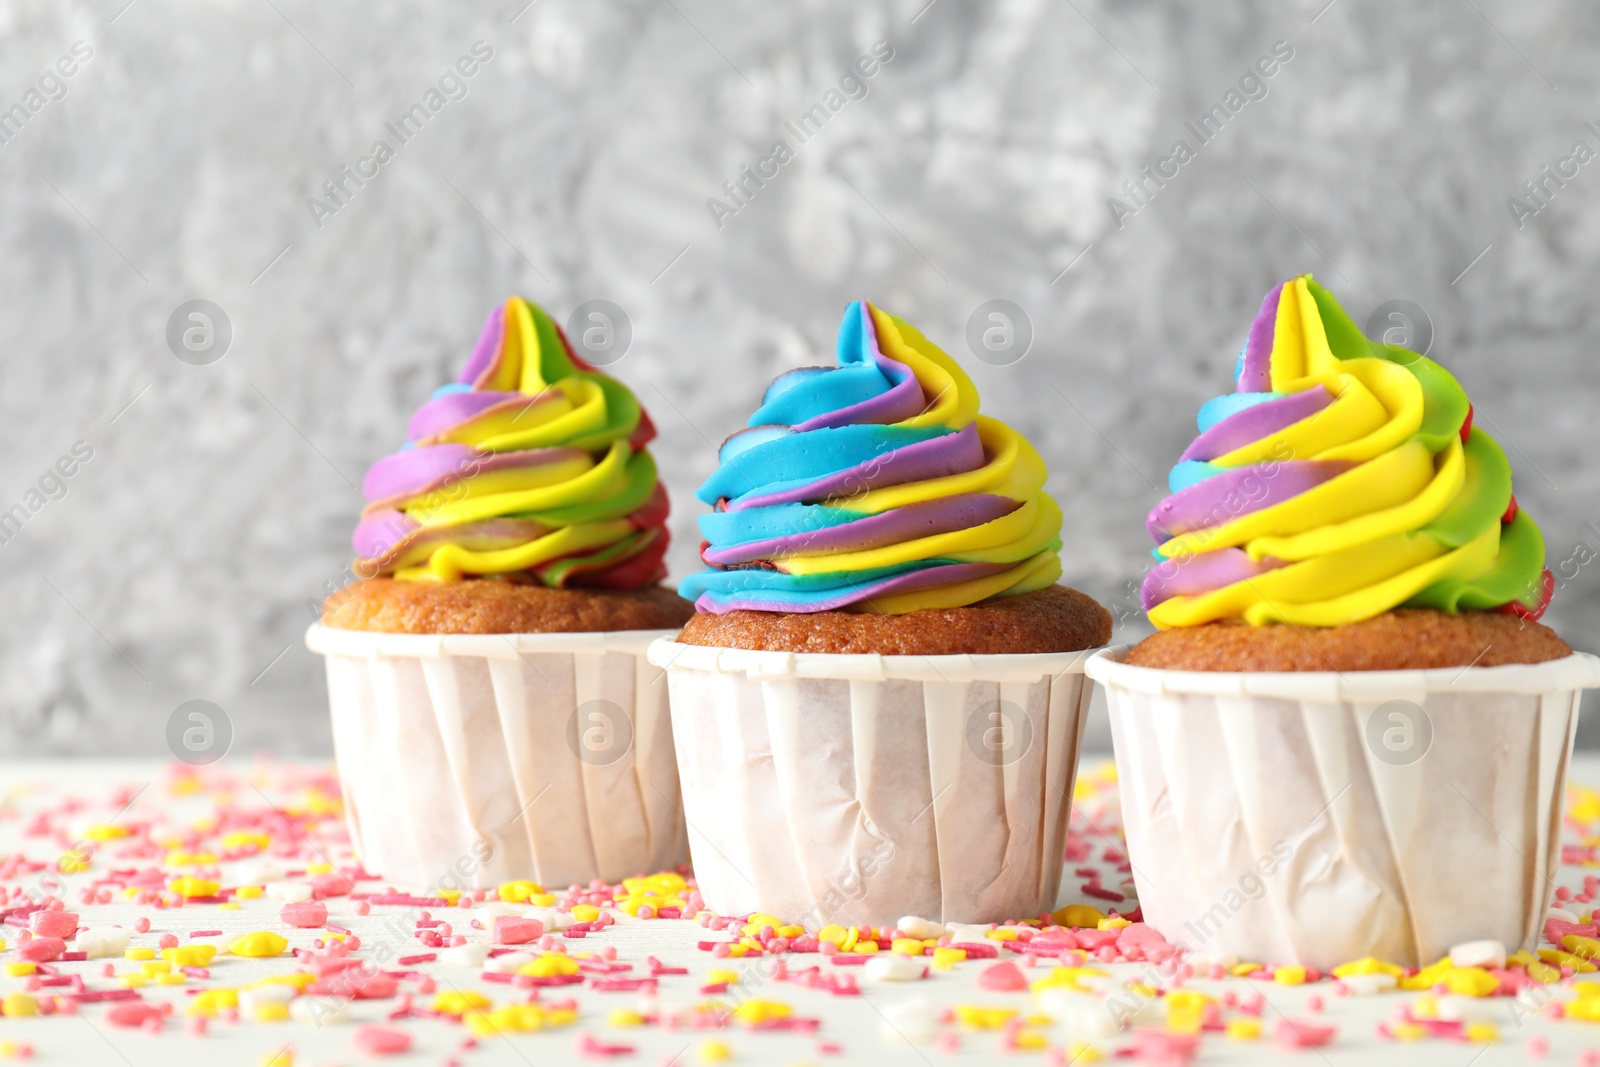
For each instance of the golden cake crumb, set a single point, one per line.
(1405, 639)
(1057, 619)
(493, 606)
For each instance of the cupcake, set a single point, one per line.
(879, 701)
(494, 716)
(1350, 712)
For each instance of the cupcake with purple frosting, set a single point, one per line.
(511, 556)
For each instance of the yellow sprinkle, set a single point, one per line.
(259, 945)
(19, 1004)
(1244, 1029)
(713, 1051)
(760, 1011)
(1003, 933)
(1188, 1000)
(155, 967)
(321, 868)
(238, 839)
(864, 948)
(457, 1002)
(1079, 915)
(624, 1017)
(1082, 1053)
(1031, 1039)
(209, 1002)
(22, 968)
(585, 913)
(1544, 973)
(906, 946)
(1068, 978)
(550, 965)
(1240, 970)
(721, 975)
(1294, 974)
(542, 900)
(451, 895)
(249, 892)
(1408, 1031)
(283, 1057)
(517, 892)
(979, 1017)
(175, 978)
(945, 958)
(1482, 1033)
(1585, 1009)
(791, 932)
(1584, 947)
(835, 933)
(229, 905)
(1366, 965)
(1556, 958)
(189, 955)
(105, 832)
(194, 887)
(133, 981)
(139, 953)
(298, 979)
(1113, 923)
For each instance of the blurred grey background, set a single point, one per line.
(178, 160)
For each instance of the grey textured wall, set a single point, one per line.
(179, 158)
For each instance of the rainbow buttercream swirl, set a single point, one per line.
(530, 466)
(1341, 479)
(874, 486)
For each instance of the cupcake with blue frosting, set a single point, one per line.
(878, 703)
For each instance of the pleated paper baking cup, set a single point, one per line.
(469, 760)
(856, 789)
(1317, 818)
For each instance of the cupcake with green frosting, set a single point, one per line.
(492, 653)
(1350, 697)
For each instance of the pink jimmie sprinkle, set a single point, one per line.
(592, 1048)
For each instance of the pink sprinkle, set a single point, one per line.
(306, 914)
(168, 941)
(51, 923)
(1537, 1047)
(205, 933)
(511, 930)
(1298, 1034)
(1314, 1004)
(381, 1041)
(363, 908)
(141, 925)
(195, 1026)
(949, 1041)
(409, 961)
(41, 949)
(1003, 977)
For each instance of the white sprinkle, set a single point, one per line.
(1478, 954)
(472, 954)
(288, 892)
(1368, 985)
(894, 967)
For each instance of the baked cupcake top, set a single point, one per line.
(530, 466)
(1341, 479)
(874, 485)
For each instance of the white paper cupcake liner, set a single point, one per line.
(1317, 818)
(470, 760)
(859, 789)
